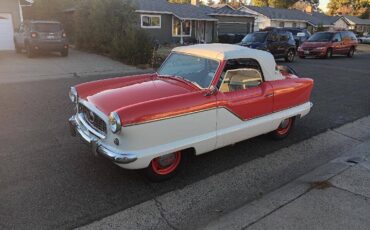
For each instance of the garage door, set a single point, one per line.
(6, 32)
(233, 28)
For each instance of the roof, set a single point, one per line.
(322, 19)
(227, 10)
(182, 11)
(292, 14)
(356, 20)
(222, 52)
(279, 13)
(188, 11)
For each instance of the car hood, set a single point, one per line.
(114, 94)
(314, 44)
(253, 45)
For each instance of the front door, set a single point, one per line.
(243, 96)
(338, 47)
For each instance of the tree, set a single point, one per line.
(274, 3)
(180, 1)
(48, 9)
(109, 27)
(351, 7)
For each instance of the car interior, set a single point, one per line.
(240, 79)
(239, 74)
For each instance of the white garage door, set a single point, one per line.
(6, 32)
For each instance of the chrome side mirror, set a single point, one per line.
(211, 91)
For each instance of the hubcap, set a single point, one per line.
(166, 164)
(285, 126)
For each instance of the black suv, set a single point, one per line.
(300, 35)
(35, 36)
(278, 42)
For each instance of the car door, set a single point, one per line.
(337, 44)
(283, 46)
(273, 43)
(346, 42)
(243, 97)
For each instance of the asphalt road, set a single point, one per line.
(50, 180)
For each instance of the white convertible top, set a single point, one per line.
(222, 52)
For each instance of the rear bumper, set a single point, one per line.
(98, 148)
(49, 46)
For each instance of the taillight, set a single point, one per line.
(64, 35)
(33, 35)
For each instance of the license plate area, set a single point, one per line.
(306, 52)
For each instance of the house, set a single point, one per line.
(278, 17)
(176, 23)
(316, 20)
(10, 18)
(353, 23)
(179, 23)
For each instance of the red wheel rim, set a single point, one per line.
(166, 164)
(285, 126)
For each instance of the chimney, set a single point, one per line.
(195, 2)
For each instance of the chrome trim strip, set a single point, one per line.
(98, 147)
(217, 107)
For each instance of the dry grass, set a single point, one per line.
(363, 48)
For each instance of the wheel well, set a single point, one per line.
(190, 151)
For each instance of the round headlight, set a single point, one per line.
(73, 94)
(115, 122)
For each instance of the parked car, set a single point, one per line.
(230, 38)
(36, 36)
(364, 39)
(300, 35)
(278, 42)
(326, 44)
(203, 97)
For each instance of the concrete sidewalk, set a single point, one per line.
(333, 196)
(266, 194)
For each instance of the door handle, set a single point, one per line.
(269, 95)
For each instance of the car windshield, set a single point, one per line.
(321, 37)
(47, 27)
(199, 71)
(295, 32)
(255, 37)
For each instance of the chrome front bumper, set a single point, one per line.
(99, 148)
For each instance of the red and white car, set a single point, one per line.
(203, 97)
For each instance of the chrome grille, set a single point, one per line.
(93, 119)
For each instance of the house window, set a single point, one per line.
(281, 24)
(294, 25)
(151, 21)
(176, 27)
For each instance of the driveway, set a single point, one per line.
(18, 68)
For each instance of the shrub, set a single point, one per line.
(110, 27)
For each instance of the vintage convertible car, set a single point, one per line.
(202, 98)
